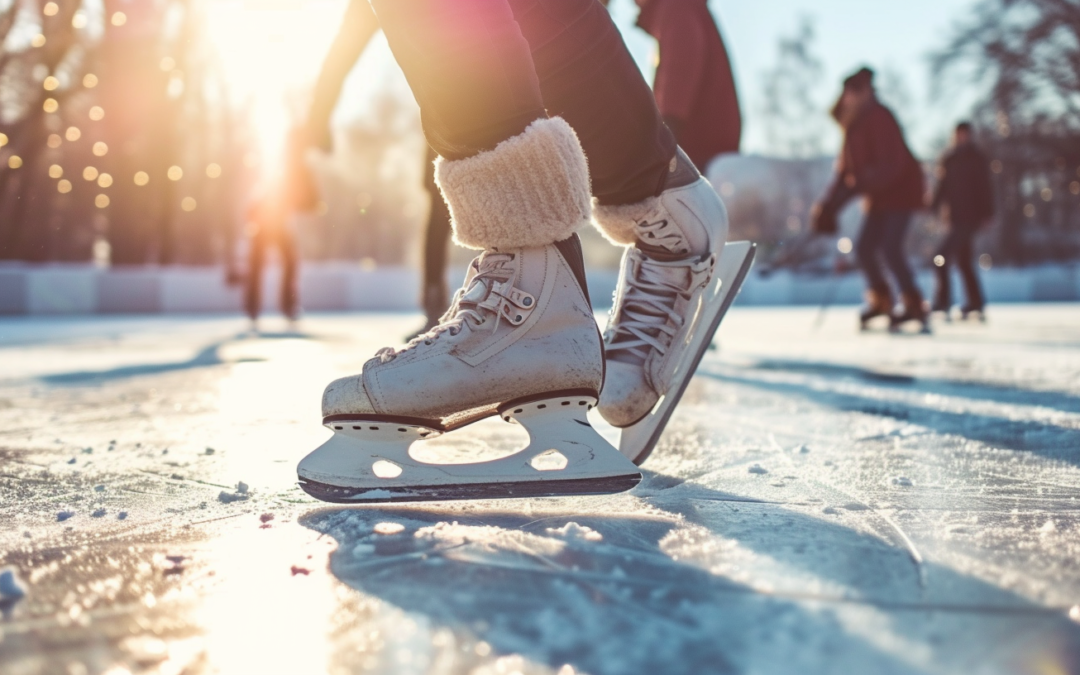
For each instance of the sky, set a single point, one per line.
(273, 47)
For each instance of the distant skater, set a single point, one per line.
(875, 162)
(964, 196)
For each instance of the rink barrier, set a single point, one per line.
(84, 289)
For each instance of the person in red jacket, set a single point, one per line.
(694, 86)
(876, 163)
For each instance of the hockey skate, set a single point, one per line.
(677, 281)
(519, 341)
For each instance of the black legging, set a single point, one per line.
(483, 70)
(957, 249)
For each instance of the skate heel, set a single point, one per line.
(368, 460)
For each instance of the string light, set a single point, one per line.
(50, 9)
(101, 201)
(56, 171)
(104, 180)
(188, 204)
(175, 173)
(50, 105)
(141, 178)
(97, 113)
(54, 141)
(63, 187)
(14, 162)
(89, 80)
(213, 170)
(37, 41)
(72, 133)
(78, 20)
(89, 173)
(119, 19)
(100, 149)
(50, 83)
(3, 140)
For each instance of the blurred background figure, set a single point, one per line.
(694, 86)
(875, 162)
(964, 198)
(270, 225)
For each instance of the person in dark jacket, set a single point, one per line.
(694, 85)
(965, 192)
(875, 162)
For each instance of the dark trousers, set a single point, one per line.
(436, 234)
(483, 70)
(881, 245)
(278, 236)
(958, 249)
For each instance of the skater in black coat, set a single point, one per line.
(964, 191)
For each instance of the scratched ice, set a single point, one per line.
(822, 502)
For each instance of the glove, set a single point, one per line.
(823, 220)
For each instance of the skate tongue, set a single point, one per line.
(661, 240)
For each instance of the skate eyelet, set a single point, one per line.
(374, 428)
(527, 302)
(355, 428)
(402, 430)
(427, 342)
(517, 411)
(566, 402)
(541, 406)
(340, 428)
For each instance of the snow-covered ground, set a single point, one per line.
(823, 502)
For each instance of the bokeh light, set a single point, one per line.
(79, 20)
(167, 63)
(1029, 210)
(985, 261)
(3, 140)
(63, 187)
(213, 170)
(50, 105)
(90, 80)
(118, 19)
(1047, 194)
(104, 180)
(101, 201)
(90, 173)
(56, 171)
(101, 149)
(175, 173)
(844, 245)
(54, 141)
(37, 41)
(50, 83)
(939, 261)
(141, 178)
(188, 204)
(97, 113)
(72, 133)
(14, 162)
(50, 9)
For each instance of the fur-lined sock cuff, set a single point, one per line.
(531, 190)
(617, 222)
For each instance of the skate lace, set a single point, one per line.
(648, 320)
(472, 304)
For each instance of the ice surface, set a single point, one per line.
(920, 512)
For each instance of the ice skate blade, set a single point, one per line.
(368, 461)
(636, 442)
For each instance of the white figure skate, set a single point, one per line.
(519, 341)
(677, 281)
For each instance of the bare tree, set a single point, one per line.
(793, 118)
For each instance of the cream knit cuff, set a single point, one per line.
(617, 222)
(531, 190)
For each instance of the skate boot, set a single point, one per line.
(519, 341)
(878, 303)
(676, 282)
(968, 312)
(913, 309)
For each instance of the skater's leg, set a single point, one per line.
(253, 280)
(588, 77)
(965, 262)
(290, 271)
(520, 339)
(894, 233)
(647, 195)
(868, 251)
(434, 297)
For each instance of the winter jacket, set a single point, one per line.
(876, 163)
(694, 86)
(965, 187)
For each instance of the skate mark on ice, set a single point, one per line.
(658, 593)
(1042, 438)
(206, 357)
